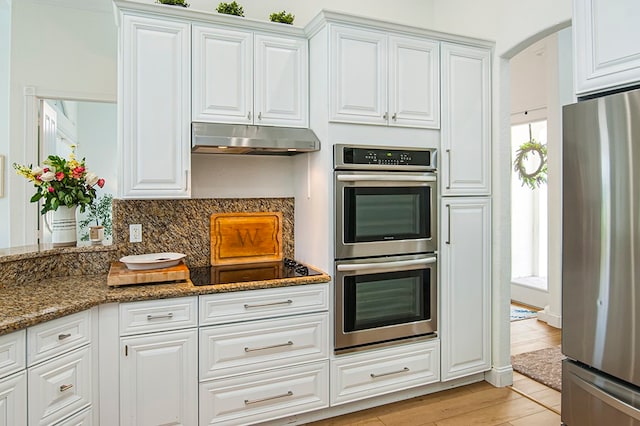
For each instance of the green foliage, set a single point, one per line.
(174, 2)
(99, 213)
(283, 17)
(539, 175)
(232, 8)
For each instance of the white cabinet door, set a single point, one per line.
(13, 400)
(465, 159)
(358, 76)
(154, 102)
(282, 83)
(159, 379)
(606, 48)
(414, 82)
(465, 318)
(222, 75)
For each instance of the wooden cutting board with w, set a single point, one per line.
(246, 237)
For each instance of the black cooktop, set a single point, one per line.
(237, 273)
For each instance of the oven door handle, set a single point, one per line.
(391, 177)
(385, 265)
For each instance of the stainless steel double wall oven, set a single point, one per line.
(385, 245)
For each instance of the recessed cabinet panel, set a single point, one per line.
(281, 85)
(12, 352)
(159, 379)
(60, 387)
(465, 328)
(51, 338)
(414, 83)
(358, 76)
(606, 51)
(222, 75)
(155, 85)
(466, 121)
(13, 400)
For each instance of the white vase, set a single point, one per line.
(63, 226)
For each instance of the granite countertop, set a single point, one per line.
(25, 305)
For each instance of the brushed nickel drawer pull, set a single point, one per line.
(289, 343)
(404, 370)
(64, 336)
(269, 398)
(153, 317)
(65, 387)
(448, 151)
(260, 305)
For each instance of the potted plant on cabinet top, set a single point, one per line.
(174, 2)
(232, 8)
(282, 17)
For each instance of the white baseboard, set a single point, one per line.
(554, 320)
(500, 377)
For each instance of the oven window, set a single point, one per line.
(378, 300)
(380, 214)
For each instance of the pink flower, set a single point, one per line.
(50, 189)
(100, 182)
(59, 176)
(45, 170)
(77, 172)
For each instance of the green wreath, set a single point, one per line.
(538, 176)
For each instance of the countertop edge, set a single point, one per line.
(23, 306)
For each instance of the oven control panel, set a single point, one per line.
(348, 156)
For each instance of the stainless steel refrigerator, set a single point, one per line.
(601, 261)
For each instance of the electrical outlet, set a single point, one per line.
(135, 233)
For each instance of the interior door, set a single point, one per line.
(48, 131)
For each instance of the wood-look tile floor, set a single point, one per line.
(479, 403)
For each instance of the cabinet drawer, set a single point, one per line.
(59, 387)
(158, 315)
(12, 352)
(265, 396)
(83, 418)
(264, 303)
(240, 348)
(46, 340)
(367, 374)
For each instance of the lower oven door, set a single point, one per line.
(380, 300)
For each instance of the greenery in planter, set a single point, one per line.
(232, 8)
(283, 17)
(99, 213)
(174, 2)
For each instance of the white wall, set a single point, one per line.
(64, 48)
(5, 45)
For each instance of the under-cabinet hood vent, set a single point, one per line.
(251, 140)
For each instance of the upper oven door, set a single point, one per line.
(384, 213)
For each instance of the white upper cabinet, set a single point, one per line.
(154, 107)
(376, 78)
(465, 159)
(606, 48)
(244, 78)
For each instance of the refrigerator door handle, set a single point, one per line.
(607, 398)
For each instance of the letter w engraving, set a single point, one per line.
(247, 236)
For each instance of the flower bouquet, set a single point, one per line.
(62, 182)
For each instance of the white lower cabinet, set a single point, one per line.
(376, 372)
(252, 398)
(13, 400)
(60, 387)
(159, 379)
(465, 287)
(260, 345)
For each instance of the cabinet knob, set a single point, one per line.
(249, 115)
(259, 116)
(385, 116)
(394, 117)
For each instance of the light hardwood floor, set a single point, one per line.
(479, 403)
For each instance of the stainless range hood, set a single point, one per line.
(215, 138)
